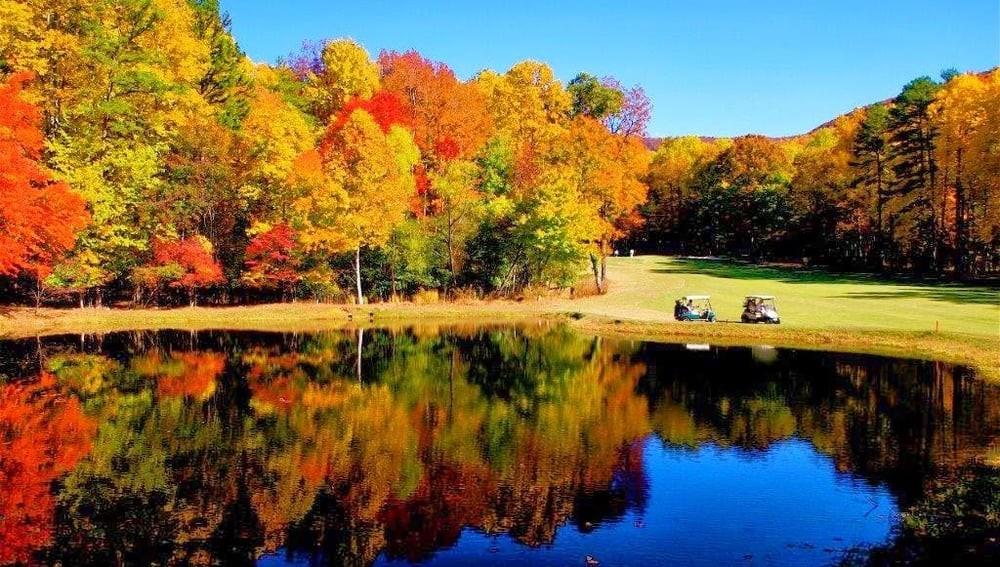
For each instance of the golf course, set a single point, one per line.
(645, 287)
(819, 310)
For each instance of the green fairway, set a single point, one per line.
(645, 287)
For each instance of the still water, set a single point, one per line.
(450, 446)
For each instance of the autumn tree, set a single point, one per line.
(459, 203)
(48, 38)
(742, 198)
(270, 260)
(831, 214)
(39, 216)
(609, 170)
(750, 163)
(115, 132)
(673, 172)
(385, 107)
(274, 133)
(373, 170)
(449, 118)
(334, 72)
(186, 264)
(527, 103)
(963, 108)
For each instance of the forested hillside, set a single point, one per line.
(145, 158)
(907, 185)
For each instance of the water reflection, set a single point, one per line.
(453, 445)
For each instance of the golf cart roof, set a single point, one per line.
(760, 297)
(695, 297)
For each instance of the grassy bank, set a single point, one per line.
(819, 310)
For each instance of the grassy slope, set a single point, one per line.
(818, 309)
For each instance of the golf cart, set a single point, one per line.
(694, 308)
(760, 309)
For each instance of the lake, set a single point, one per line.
(496, 445)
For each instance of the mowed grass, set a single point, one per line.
(645, 288)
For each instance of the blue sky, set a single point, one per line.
(714, 68)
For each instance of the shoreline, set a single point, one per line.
(982, 353)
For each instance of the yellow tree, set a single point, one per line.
(962, 112)
(831, 209)
(609, 170)
(317, 207)
(272, 136)
(527, 102)
(987, 166)
(458, 200)
(340, 71)
(673, 170)
(47, 38)
(374, 172)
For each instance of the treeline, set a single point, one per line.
(910, 185)
(146, 158)
(174, 167)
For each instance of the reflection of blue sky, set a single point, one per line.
(714, 506)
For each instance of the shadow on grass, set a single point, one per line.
(919, 289)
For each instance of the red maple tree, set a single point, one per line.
(386, 108)
(39, 217)
(192, 262)
(270, 261)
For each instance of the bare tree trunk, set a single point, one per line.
(451, 246)
(357, 273)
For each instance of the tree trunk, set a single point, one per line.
(879, 208)
(961, 221)
(392, 278)
(597, 271)
(604, 271)
(357, 273)
(451, 246)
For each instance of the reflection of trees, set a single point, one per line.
(215, 448)
(43, 434)
(880, 419)
(221, 447)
